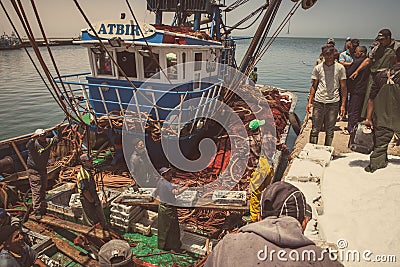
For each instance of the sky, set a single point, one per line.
(328, 18)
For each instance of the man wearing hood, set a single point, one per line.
(284, 214)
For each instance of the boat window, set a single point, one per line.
(126, 60)
(184, 66)
(151, 66)
(103, 63)
(172, 68)
(198, 58)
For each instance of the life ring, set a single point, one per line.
(295, 122)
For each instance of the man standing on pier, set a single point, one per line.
(39, 152)
(381, 57)
(383, 113)
(328, 78)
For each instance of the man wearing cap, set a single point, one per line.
(328, 78)
(347, 56)
(381, 57)
(7, 219)
(39, 147)
(14, 251)
(283, 219)
(116, 253)
(92, 210)
(168, 224)
(383, 113)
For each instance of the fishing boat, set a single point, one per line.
(165, 83)
(9, 42)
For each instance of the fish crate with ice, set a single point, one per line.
(187, 198)
(224, 197)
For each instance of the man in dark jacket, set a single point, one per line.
(379, 58)
(356, 88)
(39, 147)
(383, 113)
(284, 214)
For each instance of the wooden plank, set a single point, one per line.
(21, 159)
(78, 228)
(62, 245)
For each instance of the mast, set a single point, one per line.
(247, 58)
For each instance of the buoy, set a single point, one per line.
(295, 122)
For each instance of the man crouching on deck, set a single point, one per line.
(277, 239)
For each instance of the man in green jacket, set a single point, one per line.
(381, 57)
(383, 113)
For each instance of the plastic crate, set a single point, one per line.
(196, 243)
(40, 243)
(186, 199)
(61, 188)
(59, 203)
(121, 214)
(234, 198)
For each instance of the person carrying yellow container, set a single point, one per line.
(260, 178)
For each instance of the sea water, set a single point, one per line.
(26, 104)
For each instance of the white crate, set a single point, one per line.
(147, 224)
(195, 243)
(118, 225)
(187, 198)
(122, 214)
(61, 188)
(235, 198)
(317, 153)
(305, 170)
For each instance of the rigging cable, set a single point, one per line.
(72, 100)
(31, 59)
(21, 12)
(29, 33)
(276, 33)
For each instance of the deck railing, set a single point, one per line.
(141, 105)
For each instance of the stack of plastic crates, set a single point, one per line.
(126, 215)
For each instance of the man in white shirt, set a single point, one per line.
(328, 78)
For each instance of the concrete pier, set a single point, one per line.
(354, 212)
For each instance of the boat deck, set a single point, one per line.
(355, 208)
